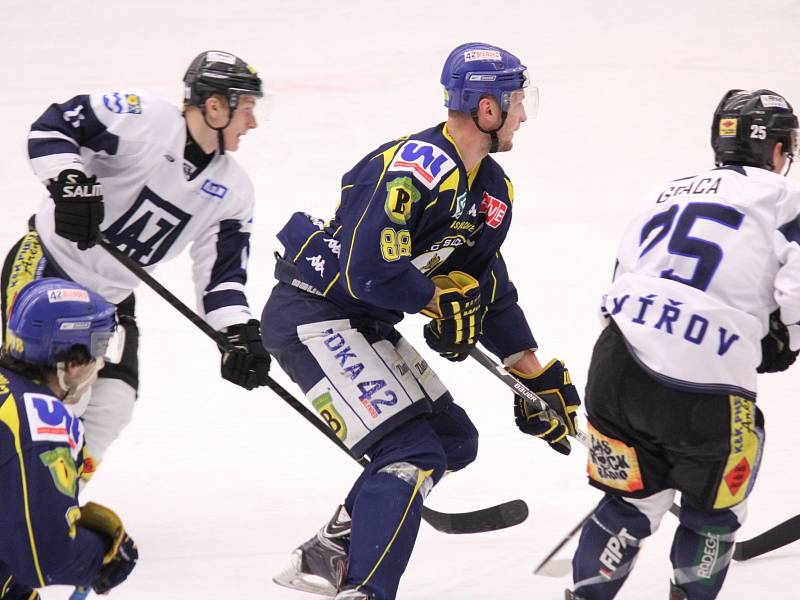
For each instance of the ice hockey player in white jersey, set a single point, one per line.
(706, 293)
(151, 179)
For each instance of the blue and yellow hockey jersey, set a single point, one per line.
(41, 459)
(410, 210)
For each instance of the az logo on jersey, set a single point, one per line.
(147, 230)
(425, 161)
(494, 210)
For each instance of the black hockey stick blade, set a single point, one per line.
(501, 516)
(780, 535)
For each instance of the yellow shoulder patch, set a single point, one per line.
(400, 196)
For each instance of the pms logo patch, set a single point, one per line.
(121, 103)
(147, 230)
(62, 470)
(214, 189)
(426, 162)
(494, 209)
(400, 196)
(50, 421)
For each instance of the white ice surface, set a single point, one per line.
(217, 484)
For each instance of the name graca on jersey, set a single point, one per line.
(134, 142)
(410, 210)
(700, 271)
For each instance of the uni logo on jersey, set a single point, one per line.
(123, 103)
(50, 421)
(494, 209)
(425, 161)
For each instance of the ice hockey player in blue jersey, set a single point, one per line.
(58, 336)
(153, 180)
(706, 293)
(418, 229)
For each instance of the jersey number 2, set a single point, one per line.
(707, 253)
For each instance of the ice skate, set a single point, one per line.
(319, 566)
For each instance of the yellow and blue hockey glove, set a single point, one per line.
(456, 325)
(120, 557)
(554, 386)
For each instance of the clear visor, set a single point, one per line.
(259, 106)
(527, 99)
(108, 345)
(794, 143)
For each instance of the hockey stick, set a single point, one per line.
(500, 516)
(772, 539)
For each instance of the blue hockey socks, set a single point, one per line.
(610, 541)
(702, 550)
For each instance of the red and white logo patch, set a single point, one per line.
(494, 210)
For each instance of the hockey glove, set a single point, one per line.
(456, 325)
(79, 207)
(554, 386)
(776, 355)
(247, 363)
(121, 556)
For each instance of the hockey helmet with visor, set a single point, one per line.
(50, 316)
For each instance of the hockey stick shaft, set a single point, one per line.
(772, 539)
(500, 516)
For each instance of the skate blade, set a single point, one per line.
(293, 579)
(558, 567)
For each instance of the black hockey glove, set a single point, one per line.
(79, 207)
(247, 363)
(554, 386)
(122, 554)
(776, 355)
(458, 316)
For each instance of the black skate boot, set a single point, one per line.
(319, 566)
(676, 593)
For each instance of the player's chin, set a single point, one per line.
(232, 145)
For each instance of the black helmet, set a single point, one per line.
(214, 71)
(748, 124)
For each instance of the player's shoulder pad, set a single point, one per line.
(426, 161)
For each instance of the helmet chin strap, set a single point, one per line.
(492, 133)
(219, 130)
(76, 388)
(789, 162)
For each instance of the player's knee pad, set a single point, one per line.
(419, 479)
(109, 410)
(414, 442)
(702, 548)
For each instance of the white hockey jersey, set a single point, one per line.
(134, 142)
(700, 270)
